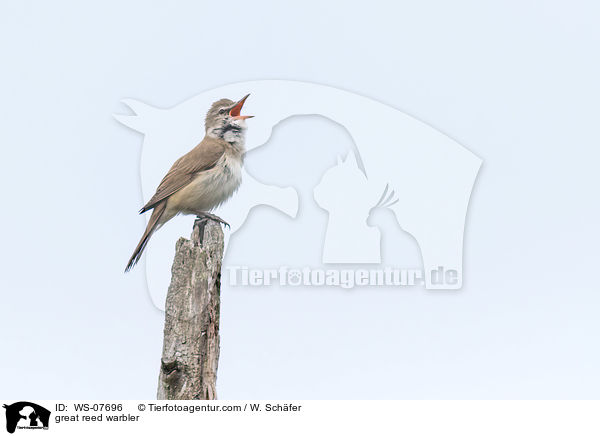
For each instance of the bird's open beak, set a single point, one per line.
(235, 111)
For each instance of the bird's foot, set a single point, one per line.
(205, 216)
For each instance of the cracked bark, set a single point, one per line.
(190, 355)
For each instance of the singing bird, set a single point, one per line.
(203, 178)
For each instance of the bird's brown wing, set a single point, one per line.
(203, 157)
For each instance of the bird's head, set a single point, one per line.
(224, 120)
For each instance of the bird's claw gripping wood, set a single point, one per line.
(205, 216)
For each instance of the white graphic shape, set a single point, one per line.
(348, 197)
(434, 174)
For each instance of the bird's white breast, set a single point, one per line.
(210, 188)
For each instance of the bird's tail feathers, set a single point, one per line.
(152, 226)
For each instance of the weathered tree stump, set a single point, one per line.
(190, 356)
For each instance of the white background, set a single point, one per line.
(516, 82)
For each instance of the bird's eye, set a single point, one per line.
(222, 111)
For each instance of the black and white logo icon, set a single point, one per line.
(26, 415)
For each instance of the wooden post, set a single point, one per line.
(190, 358)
